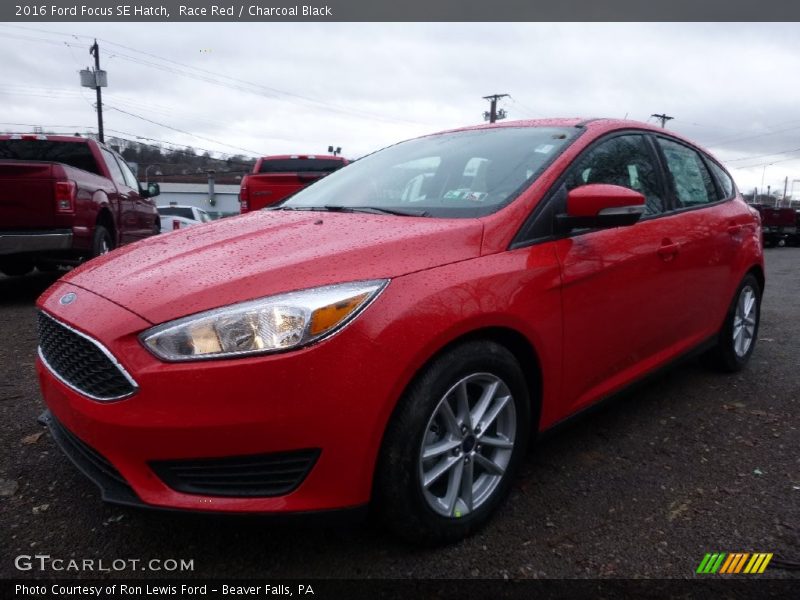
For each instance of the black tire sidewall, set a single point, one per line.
(100, 233)
(399, 490)
(16, 268)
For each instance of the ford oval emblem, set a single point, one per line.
(68, 298)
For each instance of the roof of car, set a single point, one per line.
(597, 125)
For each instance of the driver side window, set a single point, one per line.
(623, 160)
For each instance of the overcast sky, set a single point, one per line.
(273, 88)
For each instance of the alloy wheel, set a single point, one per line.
(467, 445)
(744, 321)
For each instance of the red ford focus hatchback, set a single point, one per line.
(398, 332)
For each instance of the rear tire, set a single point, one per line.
(16, 268)
(739, 333)
(453, 445)
(46, 267)
(103, 241)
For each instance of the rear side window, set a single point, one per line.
(130, 178)
(113, 168)
(623, 160)
(300, 165)
(693, 183)
(74, 154)
(725, 181)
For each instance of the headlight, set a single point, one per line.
(259, 326)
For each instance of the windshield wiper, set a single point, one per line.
(378, 210)
(352, 209)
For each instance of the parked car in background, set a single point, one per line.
(275, 178)
(397, 332)
(779, 225)
(178, 216)
(66, 199)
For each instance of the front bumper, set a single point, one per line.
(315, 398)
(33, 242)
(113, 487)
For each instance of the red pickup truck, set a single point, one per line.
(275, 178)
(779, 225)
(66, 199)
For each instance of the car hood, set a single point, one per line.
(269, 252)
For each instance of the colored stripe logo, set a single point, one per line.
(734, 563)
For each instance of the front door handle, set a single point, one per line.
(668, 250)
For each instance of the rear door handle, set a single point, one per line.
(733, 229)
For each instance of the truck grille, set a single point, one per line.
(82, 363)
(262, 475)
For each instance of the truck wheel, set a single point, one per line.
(103, 241)
(16, 268)
(46, 267)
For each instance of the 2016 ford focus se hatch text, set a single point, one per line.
(397, 332)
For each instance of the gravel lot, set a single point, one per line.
(694, 462)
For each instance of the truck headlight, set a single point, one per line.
(260, 326)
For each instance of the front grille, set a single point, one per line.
(262, 475)
(81, 363)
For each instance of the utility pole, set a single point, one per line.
(785, 185)
(493, 115)
(663, 118)
(95, 49)
(96, 78)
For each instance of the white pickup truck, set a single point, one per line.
(181, 216)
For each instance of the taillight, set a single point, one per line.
(65, 192)
(176, 224)
(244, 199)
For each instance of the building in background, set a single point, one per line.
(218, 201)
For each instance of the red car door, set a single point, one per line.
(619, 285)
(709, 234)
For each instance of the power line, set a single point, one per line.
(531, 112)
(762, 155)
(135, 138)
(274, 93)
(765, 164)
(194, 135)
(727, 141)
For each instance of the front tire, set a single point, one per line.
(453, 445)
(739, 333)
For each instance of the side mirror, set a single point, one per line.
(153, 189)
(601, 205)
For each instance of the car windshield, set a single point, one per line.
(461, 174)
